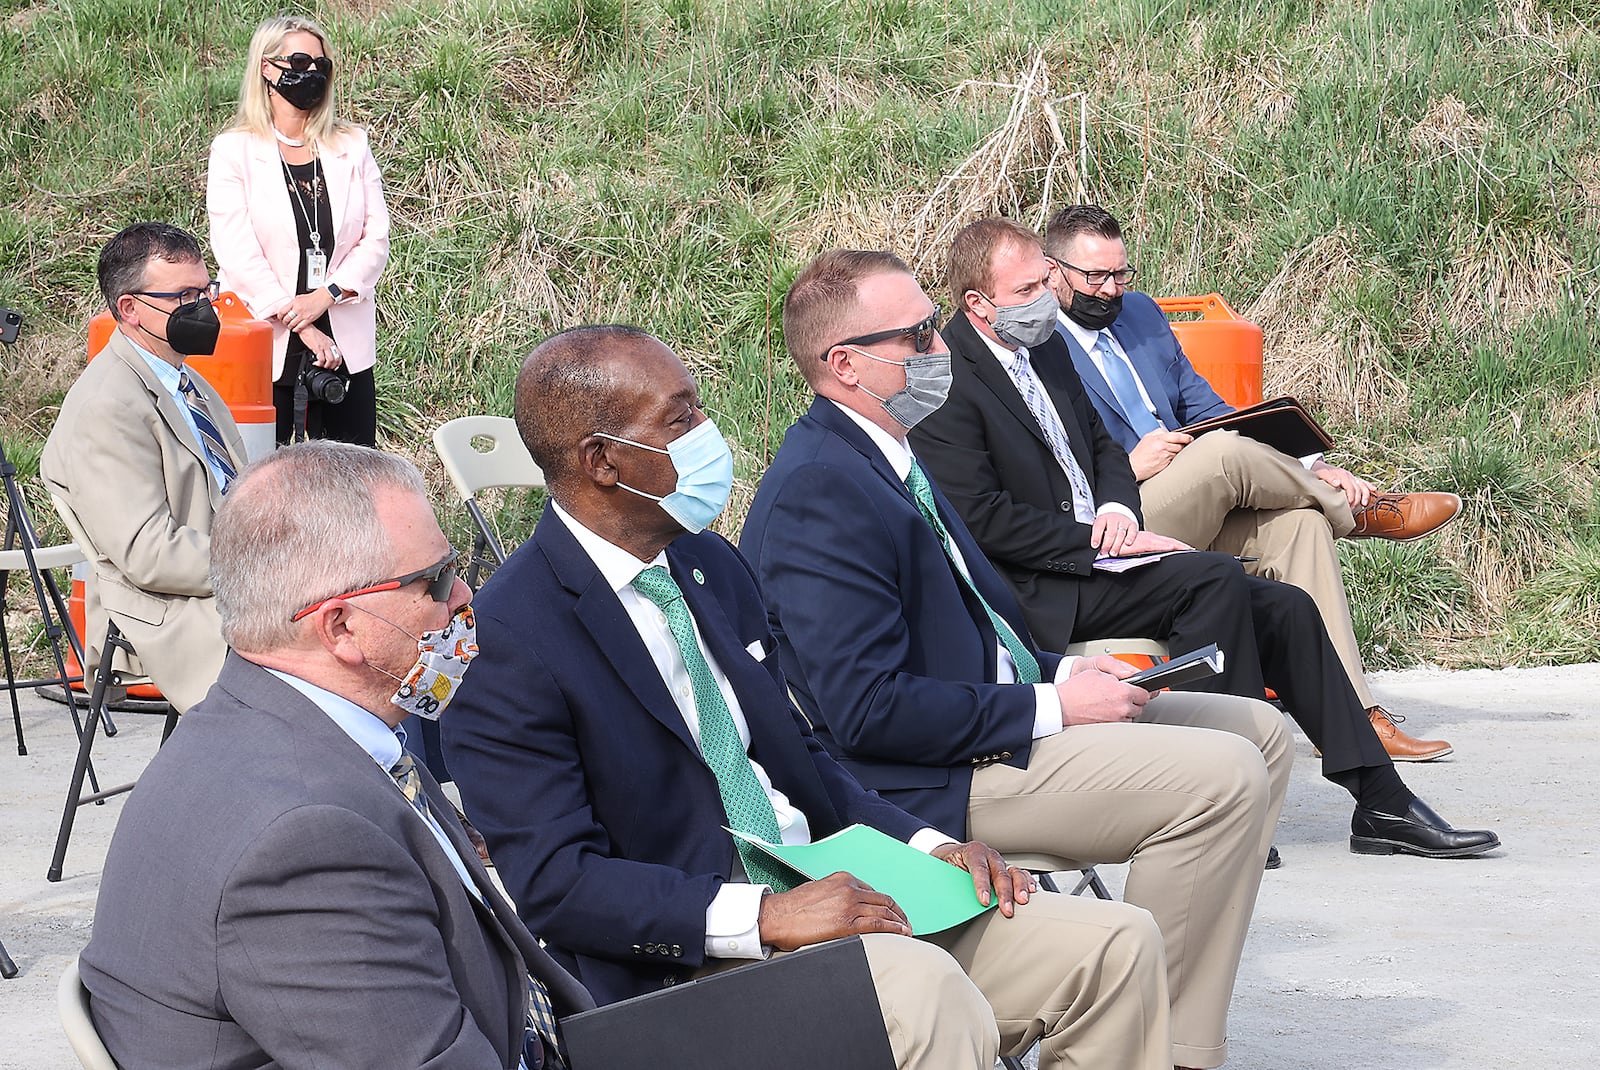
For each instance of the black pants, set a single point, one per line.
(355, 419)
(1271, 634)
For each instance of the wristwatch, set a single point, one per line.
(333, 288)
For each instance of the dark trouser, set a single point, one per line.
(355, 419)
(1271, 634)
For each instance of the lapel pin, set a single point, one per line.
(699, 577)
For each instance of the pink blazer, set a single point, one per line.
(257, 246)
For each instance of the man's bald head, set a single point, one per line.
(571, 386)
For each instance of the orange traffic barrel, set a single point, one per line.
(241, 373)
(1223, 346)
(240, 370)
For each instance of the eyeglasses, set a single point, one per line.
(302, 61)
(921, 333)
(441, 577)
(210, 291)
(1122, 276)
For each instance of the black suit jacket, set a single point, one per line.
(888, 652)
(575, 763)
(271, 899)
(990, 457)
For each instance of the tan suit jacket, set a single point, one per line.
(122, 457)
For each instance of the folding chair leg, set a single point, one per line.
(8, 969)
(11, 674)
(75, 796)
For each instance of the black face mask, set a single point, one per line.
(1093, 313)
(302, 89)
(192, 329)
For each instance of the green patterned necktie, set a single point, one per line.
(541, 1013)
(1027, 665)
(749, 809)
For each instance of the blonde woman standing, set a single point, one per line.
(301, 232)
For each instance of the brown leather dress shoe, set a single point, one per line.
(1403, 517)
(1401, 747)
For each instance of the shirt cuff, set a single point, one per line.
(927, 839)
(1116, 507)
(1310, 460)
(733, 922)
(1047, 709)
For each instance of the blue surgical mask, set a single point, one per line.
(927, 387)
(705, 475)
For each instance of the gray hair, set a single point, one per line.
(298, 526)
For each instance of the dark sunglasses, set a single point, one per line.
(441, 578)
(921, 333)
(302, 61)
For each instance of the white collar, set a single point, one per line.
(619, 567)
(1083, 335)
(896, 452)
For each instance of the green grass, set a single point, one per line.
(1404, 193)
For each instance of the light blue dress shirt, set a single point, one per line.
(168, 376)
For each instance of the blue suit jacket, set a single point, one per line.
(575, 763)
(1180, 393)
(886, 651)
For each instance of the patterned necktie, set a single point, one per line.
(1120, 375)
(922, 491)
(210, 437)
(541, 1013)
(1032, 392)
(749, 809)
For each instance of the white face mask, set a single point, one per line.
(442, 660)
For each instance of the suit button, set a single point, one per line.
(1073, 567)
(669, 980)
(637, 949)
(677, 952)
(1066, 507)
(1005, 756)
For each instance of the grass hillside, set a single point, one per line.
(1405, 194)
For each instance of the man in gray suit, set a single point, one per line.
(286, 887)
(142, 453)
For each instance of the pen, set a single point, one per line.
(1245, 560)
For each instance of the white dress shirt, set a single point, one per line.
(1047, 700)
(732, 919)
(1005, 356)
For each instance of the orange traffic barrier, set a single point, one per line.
(1223, 347)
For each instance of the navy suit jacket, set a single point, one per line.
(887, 652)
(575, 763)
(1181, 394)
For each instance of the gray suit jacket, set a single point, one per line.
(270, 900)
(123, 458)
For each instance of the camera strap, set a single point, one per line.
(302, 401)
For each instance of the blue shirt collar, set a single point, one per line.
(380, 741)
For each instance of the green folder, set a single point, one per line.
(934, 895)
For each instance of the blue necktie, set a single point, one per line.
(210, 437)
(1120, 375)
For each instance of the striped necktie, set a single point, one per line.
(210, 437)
(922, 491)
(541, 1013)
(1032, 391)
(748, 807)
(1119, 374)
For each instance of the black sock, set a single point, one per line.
(1377, 787)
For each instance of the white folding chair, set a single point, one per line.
(480, 453)
(72, 1004)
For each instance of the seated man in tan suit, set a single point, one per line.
(142, 453)
(1223, 491)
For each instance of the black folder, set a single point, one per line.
(813, 1008)
(1198, 664)
(1280, 423)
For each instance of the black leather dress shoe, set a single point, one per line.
(1274, 860)
(1419, 831)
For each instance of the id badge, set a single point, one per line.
(316, 269)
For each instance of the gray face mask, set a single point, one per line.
(927, 385)
(1027, 324)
